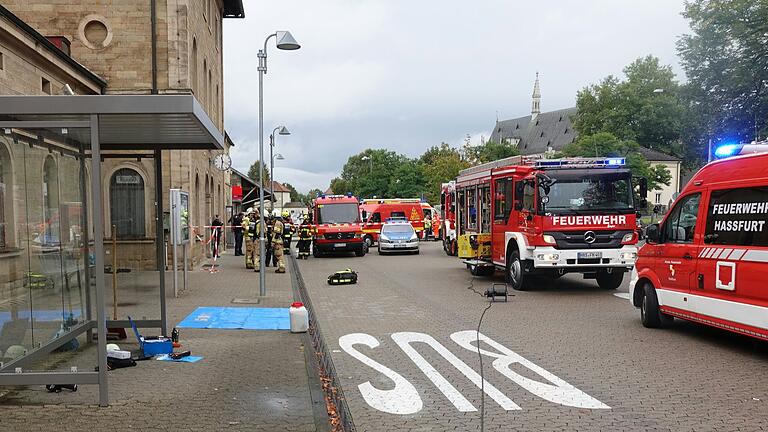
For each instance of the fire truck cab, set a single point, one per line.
(548, 218)
(706, 260)
(337, 225)
(448, 224)
(375, 212)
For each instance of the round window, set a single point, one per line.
(95, 32)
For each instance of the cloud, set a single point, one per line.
(406, 75)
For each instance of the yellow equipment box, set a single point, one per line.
(474, 246)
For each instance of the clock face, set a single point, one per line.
(222, 161)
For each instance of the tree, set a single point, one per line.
(440, 164)
(253, 172)
(488, 151)
(645, 107)
(408, 181)
(369, 173)
(606, 144)
(725, 60)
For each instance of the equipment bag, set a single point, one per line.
(343, 277)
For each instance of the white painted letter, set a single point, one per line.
(559, 392)
(405, 339)
(402, 399)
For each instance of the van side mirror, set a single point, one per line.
(652, 233)
(643, 187)
(643, 203)
(518, 205)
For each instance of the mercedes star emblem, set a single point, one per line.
(590, 237)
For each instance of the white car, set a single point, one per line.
(398, 237)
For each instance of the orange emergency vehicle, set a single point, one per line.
(376, 212)
(337, 226)
(706, 261)
(548, 217)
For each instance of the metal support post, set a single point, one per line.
(98, 237)
(160, 237)
(262, 55)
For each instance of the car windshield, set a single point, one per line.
(338, 213)
(397, 229)
(586, 192)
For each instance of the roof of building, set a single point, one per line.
(657, 156)
(279, 187)
(294, 204)
(42, 40)
(243, 177)
(536, 134)
(234, 9)
(328, 191)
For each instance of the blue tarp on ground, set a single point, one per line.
(246, 318)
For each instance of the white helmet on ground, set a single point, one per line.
(112, 347)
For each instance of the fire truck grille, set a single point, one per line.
(339, 236)
(579, 239)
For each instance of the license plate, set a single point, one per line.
(399, 245)
(589, 255)
(339, 245)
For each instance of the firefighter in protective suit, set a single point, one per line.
(305, 239)
(287, 232)
(277, 245)
(251, 233)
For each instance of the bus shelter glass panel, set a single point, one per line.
(132, 280)
(45, 252)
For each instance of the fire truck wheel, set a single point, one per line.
(650, 315)
(610, 281)
(362, 251)
(514, 272)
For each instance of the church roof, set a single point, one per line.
(537, 133)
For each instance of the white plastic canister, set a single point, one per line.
(299, 318)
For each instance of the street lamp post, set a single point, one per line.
(285, 41)
(282, 130)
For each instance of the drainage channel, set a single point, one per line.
(338, 412)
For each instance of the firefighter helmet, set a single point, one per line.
(286, 214)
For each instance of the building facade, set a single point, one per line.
(149, 47)
(545, 133)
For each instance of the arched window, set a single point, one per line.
(193, 83)
(126, 203)
(204, 88)
(6, 200)
(211, 103)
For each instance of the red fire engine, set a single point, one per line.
(548, 217)
(337, 227)
(706, 260)
(376, 212)
(448, 225)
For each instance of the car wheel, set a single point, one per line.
(416, 252)
(514, 272)
(369, 240)
(610, 281)
(650, 314)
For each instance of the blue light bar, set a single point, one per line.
(616, 161)
(581, 163)
(727, 150)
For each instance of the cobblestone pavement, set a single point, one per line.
(685, 378)
(248, 380)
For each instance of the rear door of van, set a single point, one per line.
(732, 288)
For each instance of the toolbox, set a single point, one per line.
(152, 345)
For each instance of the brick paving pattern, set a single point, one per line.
(248, 380)
(687, 378)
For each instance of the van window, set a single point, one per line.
(738, 217)
(680, 225)
(397, 214)
(375, 218)
(472, 208)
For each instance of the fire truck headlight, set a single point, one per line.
(548, 239)
(358, 235)
(548, 257)
(629, 256)
(628, 238)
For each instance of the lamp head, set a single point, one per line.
(285, 41)
(282, 130)
(279, 157)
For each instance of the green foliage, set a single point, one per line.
(645, 107)
(408, 180)
(725, 60)
(440, 164)
(253, 172)
(489, 151)
(295, 195)
(607, 144)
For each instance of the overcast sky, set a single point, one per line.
(406, 75)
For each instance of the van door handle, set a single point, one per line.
(701, 281)
(687, 256)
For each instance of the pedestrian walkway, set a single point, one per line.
(247, 380)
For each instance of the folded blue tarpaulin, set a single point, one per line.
(246, 318)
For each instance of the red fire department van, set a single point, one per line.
(548, 217)
(337, 226)
(375, 213)
(448, 225)
(707, 259)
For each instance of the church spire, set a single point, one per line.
(536, 105)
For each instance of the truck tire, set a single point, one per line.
(514, 274)
(362, 251)
(316, 252)
(610, 281)
(369, 240)
(650, 315)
